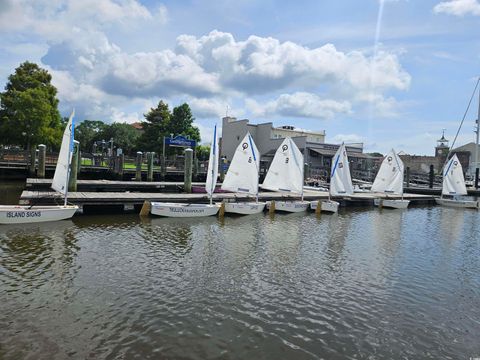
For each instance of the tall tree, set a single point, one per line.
(182, 122)
(155, 127)
(89, 131)
(29, 109)
(124, 136)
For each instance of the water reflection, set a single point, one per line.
(37, 253)
(356, 284)
(451, 223)
(386, 226)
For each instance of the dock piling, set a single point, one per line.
(271, 209)
(318, 210)
(431, 176)
(163, 167)
(150, 156)
(222, 169)
(188, 170)
(138, 166)
(42, 150)
(195, 168)
(33, 160)
(306, 171)
(221, 211)
(121, 161)
(476, 177)
(72, 181)
(145, 208)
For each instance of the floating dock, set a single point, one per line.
(128, 196)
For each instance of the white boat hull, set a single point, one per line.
(183, 210)
(329, 206)
(467, 204)
(18, 214)
(244, 208)
(290, 206)
(392, 203)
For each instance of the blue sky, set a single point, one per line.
(389, 73)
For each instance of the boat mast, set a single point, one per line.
(69, 156)
(255, 160)
(477, 128)
(214, 181)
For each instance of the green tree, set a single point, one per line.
(124, 136)
(155, 127)
(29, 109)
(160, 123)
(182, 123)
(202, 152)
(89, 131)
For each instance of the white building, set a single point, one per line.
(317, 154)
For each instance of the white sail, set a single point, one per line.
(60, 179)
(340, 179)
(212, 171)
(286, 171)
(242, 175)
(389, 179)
(453, 180)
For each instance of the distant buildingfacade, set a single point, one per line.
(317, 154)
(420, 164)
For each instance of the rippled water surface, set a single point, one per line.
(361, 284)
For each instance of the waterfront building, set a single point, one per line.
(317, 154)
(420, 164)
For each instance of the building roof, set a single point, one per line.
(137, 125)
(470, 147)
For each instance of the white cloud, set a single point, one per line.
(206, 132)
(102, 79)
(347, 138)
(299, 104)
(54, 19)
(212, 108)
(458, 7)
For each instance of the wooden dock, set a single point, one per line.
(132, 201)
(113, 186)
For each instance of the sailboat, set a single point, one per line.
(286, 175)
(21, 214)
(340, 182)
(189, 209)
(242, 177)
(389, 181)
(454, 185)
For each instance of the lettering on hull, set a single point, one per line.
(23, 214)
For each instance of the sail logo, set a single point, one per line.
(284, 148)
(244, 146)
(340, 165)
(389, 159)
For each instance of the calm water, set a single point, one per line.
(363, 284)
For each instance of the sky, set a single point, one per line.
(390, 73)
